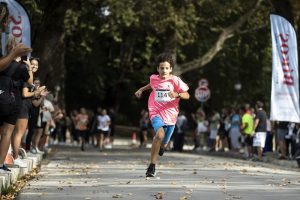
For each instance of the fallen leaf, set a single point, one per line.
(236, 197)
(159, 195)
(117, 196)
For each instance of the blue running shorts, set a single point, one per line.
(157, 122)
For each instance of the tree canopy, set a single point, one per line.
(100, 52)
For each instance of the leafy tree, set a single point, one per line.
(100, 52)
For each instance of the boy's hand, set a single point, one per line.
(138, 93)
(173, 94)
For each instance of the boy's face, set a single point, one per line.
(164, 69)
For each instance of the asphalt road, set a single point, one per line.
(119, 173)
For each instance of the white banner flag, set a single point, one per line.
(19, 24)
(285, 83)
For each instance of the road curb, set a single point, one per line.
(8, 179)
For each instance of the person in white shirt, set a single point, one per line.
(103, 128)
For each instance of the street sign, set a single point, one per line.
(203, 82)
(202, 94)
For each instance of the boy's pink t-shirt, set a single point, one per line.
(159, 103)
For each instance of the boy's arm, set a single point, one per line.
(181, 95)
(138, 93)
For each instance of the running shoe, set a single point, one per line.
(161, 151)
(4, 169)
(151, 171)
(39, 151)
(33, 151)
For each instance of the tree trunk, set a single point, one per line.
(226, 33)
(49, 45)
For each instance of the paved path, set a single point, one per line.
(119, 174)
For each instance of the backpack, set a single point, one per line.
(7, 87)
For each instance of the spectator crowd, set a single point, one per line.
(30, 116)
(32, 119)
(242, 130)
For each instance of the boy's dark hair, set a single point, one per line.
(165, 57)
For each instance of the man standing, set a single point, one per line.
(260, 127)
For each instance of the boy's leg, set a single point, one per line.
(157, 142)
(167, 138)
(162, 137)
(154, 151)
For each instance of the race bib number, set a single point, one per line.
(162, 95)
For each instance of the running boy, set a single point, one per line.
(163, 101)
